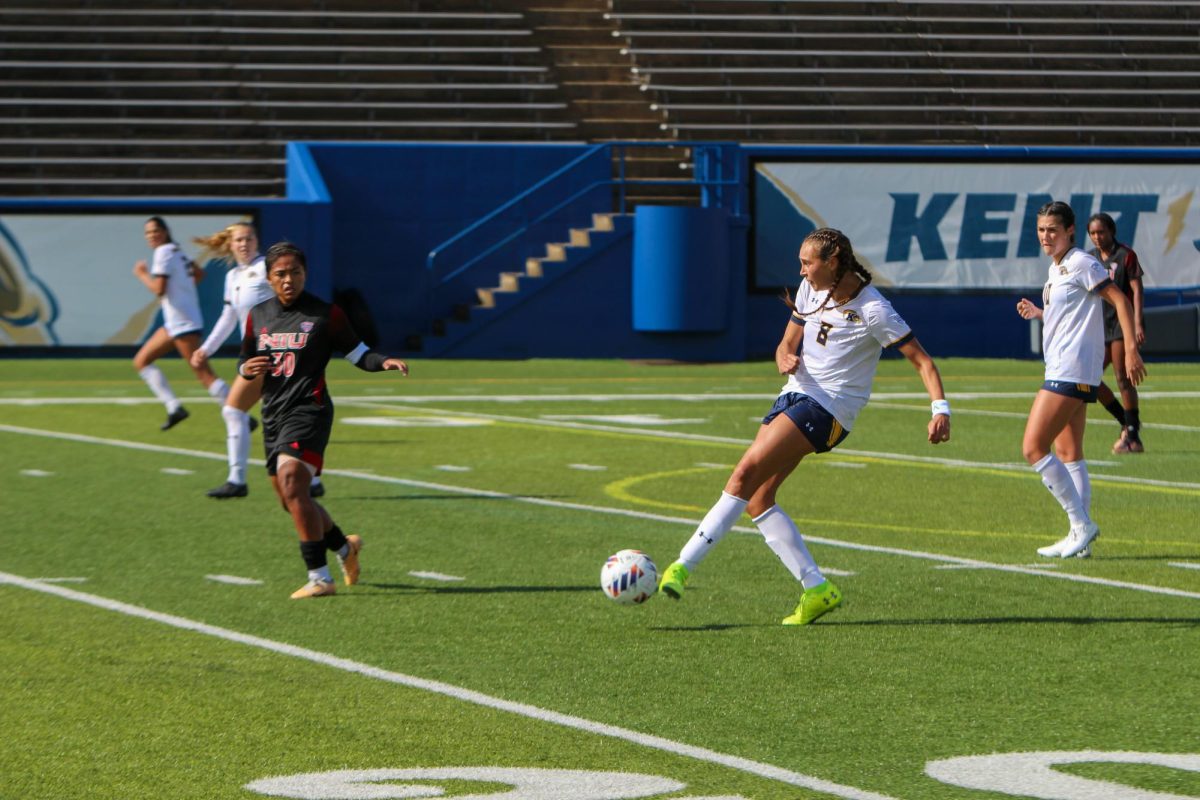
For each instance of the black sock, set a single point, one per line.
(335, 540)
(1114, 407)
(1133, 422)
(313, 554)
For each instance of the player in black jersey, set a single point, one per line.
(289, 340)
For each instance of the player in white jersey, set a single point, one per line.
(840, 325)
(1073, 346)
(173, 278)
(245, 287)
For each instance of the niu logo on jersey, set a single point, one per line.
(282, 341)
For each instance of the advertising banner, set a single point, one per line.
(68, 279)
(971, 225)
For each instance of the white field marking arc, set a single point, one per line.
(703, 437)
(758, 768)
(36, 473)
(621, 512)
(1184, 564)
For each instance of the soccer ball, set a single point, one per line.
(629, 577)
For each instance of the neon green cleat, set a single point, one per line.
(674, 578)
(814, 602)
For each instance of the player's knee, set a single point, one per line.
(742, 479)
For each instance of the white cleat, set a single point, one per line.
(1080, 539)
(1054, 550)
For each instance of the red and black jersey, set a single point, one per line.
(299, 339)
(1123, 267)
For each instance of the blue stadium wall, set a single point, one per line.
(369, 214)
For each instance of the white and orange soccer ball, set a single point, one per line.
(629, 577)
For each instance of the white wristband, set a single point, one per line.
(940, 407)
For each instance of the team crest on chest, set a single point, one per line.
(851, 316)
(306, 326)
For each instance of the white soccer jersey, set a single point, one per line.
(1073, 316)
(245, 287)
(180, 302)
(842, 348)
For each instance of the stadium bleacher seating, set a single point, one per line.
(936, 71)
(198, 98)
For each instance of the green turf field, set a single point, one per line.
(478, 657)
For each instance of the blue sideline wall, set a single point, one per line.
(368, 214)
(394, 203)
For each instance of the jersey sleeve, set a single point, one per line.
(341, 332)
(1133, 267)
(886, 325)
(802, 298)
(1092, 275)
(346, 340)
(161, 260)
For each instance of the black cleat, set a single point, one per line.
(253, 424)
(316, 490)
(228, 489)
(174, 418)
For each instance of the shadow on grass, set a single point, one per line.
(712, 627)
(1182, 557)
(843, 622)
(414, 588)
(1187, 621)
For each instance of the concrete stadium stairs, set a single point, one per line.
(517, 287)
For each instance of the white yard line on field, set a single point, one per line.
(559, 398)
(622, 512)
(762, 770)
(654, 433)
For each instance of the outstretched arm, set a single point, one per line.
(939, 425)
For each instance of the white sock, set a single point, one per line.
(1057, 479)
(321, 574)
(1083, 483)
(218, 389)
(237, 442)
(784, 538)
(712, 529)
(157, 381)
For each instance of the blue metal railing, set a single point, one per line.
(602, 171)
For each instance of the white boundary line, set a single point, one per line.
(623, 512)
(703, 437)
(758, 768)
